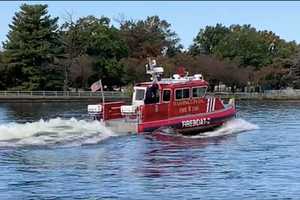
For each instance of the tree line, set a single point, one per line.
(38, 54)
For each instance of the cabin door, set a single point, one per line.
(157, 110)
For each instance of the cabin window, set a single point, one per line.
(139, 94)
(152, 95)
(178, 94)
(182, 93)
(166, 95)
(186, 93)
(199, 92)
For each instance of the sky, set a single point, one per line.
(186, 17)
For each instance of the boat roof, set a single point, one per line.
(176, 83)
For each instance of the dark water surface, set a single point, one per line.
(60, 157)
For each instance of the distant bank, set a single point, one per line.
(60, 96)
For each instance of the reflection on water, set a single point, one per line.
(172, 156)
(255, 164)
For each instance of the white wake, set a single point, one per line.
(54, 131)
(231, 127)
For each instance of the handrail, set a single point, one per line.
(61, 94)
(119, 94)
(267, 94)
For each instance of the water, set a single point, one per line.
(49, 151)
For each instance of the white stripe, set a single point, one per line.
(207, 105)
(213, 104)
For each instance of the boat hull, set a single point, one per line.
(185, 124)
(191, 124)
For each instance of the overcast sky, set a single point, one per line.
(186, 18)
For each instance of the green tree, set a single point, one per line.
(208, 39)
(74, 43)
(242, 44)
(150, 37)
(31, 48)
(96, 38)
(245, 45)
(3, 72)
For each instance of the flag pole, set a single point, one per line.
(102, 94)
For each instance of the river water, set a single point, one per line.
(50, 151)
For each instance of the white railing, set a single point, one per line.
(267, 94)
(287, 93)
(243, 95)
(109, 94)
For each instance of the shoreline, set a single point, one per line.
(60, 96)
(41, 99)
(37, 99)
(87, 96)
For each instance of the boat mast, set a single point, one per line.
(153, 70)
(102, 94)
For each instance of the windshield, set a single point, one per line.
(199, 92)
(139, 94)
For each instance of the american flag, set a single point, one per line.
(96, 86)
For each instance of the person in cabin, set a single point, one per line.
(152, 94)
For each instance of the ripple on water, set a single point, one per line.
(260, 163)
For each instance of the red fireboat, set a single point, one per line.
(179, 103)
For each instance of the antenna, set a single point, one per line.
(164, 51)
(154, 70)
